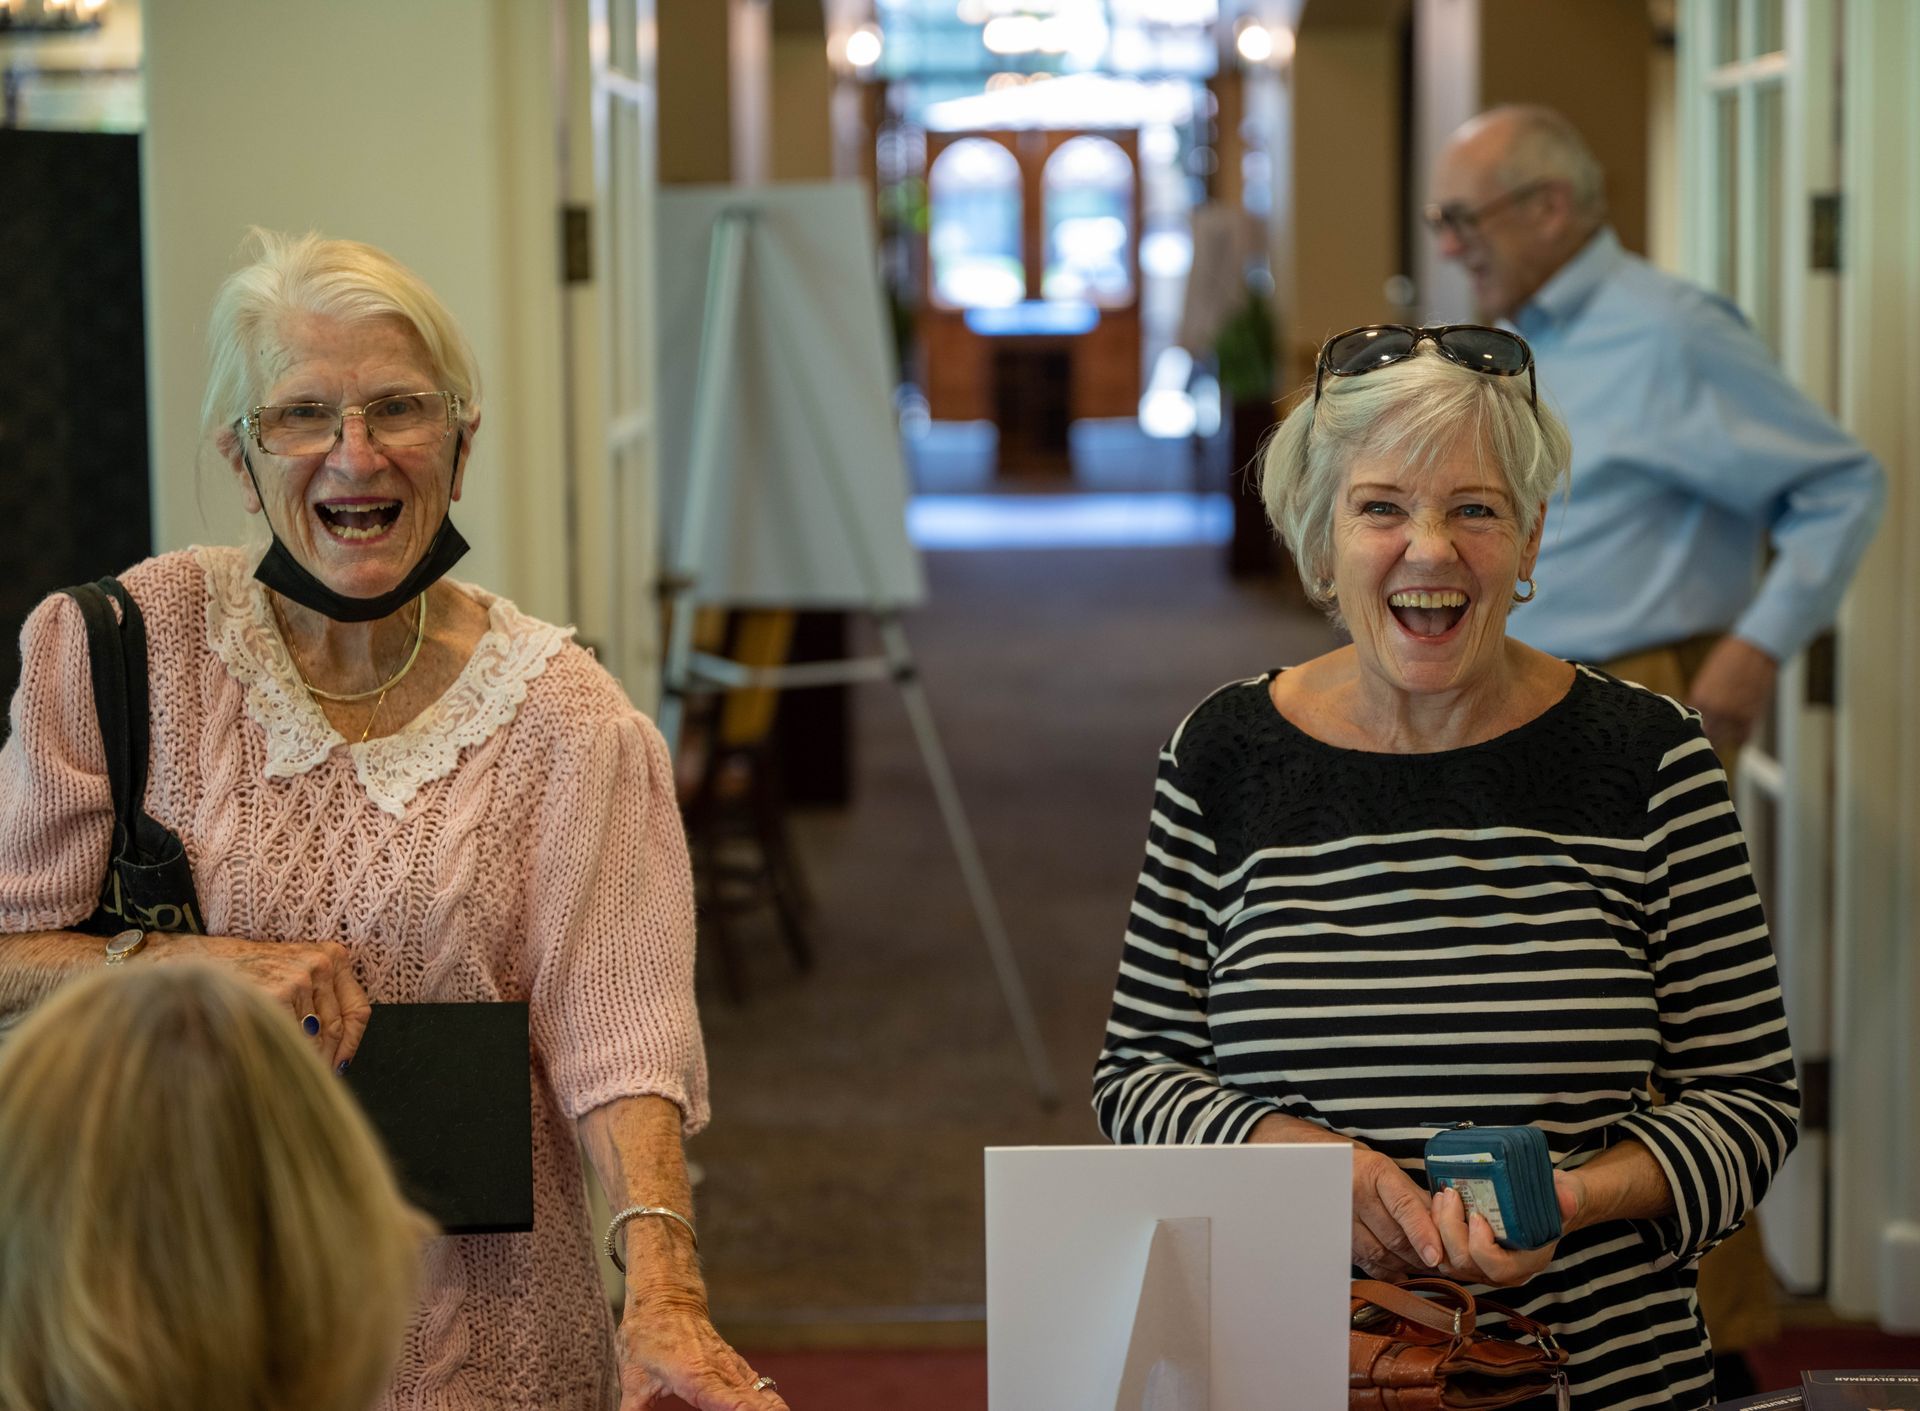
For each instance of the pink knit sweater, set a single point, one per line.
(519, 840)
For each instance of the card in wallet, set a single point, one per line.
(449, 1089)
(1506, 1174)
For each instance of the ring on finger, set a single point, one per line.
(310, 1024)
(764, 1384)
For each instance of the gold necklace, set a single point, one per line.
(419, 636)
(375, 716)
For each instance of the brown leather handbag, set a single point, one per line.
(1419, 1346)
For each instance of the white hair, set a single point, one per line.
(1542, 145)
(309, 274)
(1418, 409)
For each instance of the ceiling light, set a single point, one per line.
(863, 47)
(1013, 34)
(1254, 41)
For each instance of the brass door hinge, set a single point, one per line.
(1824, 235)
(576, 244)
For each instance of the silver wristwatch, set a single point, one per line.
(125, 945)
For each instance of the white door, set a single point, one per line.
(1874, 1259)
(606, 135)
(609, 161)
(1759, 144)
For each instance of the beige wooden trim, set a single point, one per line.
(1876, 1139)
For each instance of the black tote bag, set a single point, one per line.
(149, 883)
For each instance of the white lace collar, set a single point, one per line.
(393, 768)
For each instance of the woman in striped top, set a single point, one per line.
(1436, 876)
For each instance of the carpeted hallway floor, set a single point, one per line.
(842, 1192)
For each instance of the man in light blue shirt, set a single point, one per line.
(1691, 450)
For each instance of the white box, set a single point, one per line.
(1068, 1230)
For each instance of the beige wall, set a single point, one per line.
(1229, 90)
(1663, 159)
(1346, 179)
(745, 92)
(240, 133)
(1590, 60)
(696, 128)
(802, 136)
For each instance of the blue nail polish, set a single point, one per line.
(343, 1065)
(311, 1024)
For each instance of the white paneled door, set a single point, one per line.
(1760, 163)
(608, 138)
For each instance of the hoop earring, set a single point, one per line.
(1531, 591)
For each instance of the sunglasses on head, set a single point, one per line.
(1493, 351)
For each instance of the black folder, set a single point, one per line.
(449, 1088)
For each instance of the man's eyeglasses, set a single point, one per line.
(1463, 222)
(1493, 351)
(403, 420)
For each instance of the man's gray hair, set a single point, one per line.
(1417, 411)
(1543, 146)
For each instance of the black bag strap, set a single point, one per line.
(117, 657)
(133, 658)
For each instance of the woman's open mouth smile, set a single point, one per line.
(1430, 616)
(358, 521)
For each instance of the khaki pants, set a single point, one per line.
(1736, 1287)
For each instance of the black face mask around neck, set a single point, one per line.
(288, 577)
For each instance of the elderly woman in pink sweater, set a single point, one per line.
(396, 786)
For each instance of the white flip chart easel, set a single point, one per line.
(794, 489)
(1168, 1278)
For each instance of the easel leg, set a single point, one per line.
(986, 911)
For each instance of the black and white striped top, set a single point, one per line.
(1527, 931)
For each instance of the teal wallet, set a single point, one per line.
(1505, 1173)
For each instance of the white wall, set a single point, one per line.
(749, 89)
(1446, 92)
(426, 128)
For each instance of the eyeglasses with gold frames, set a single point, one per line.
(399, 421)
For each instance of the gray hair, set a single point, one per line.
(309, 274)
(1418, 409)
(1542, 145)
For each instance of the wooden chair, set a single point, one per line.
(732, 800)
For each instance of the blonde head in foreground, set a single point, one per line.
(194, 1215)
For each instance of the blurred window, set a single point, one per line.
(973, 235)
(1088, 193)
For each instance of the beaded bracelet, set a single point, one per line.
(634, 1212)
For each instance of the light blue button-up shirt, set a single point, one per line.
(1690, 451)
